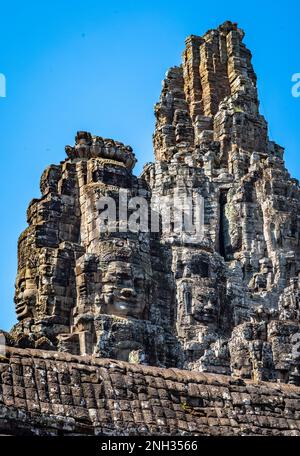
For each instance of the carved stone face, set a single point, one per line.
(123, 295)
(125, 280)
(200, 286)
(206, 309)
(25, 297)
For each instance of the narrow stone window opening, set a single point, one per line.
(222, 223)
(188, 302)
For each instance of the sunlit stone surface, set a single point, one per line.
(228, 304)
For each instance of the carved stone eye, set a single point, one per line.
(120, 243)
(144, 247)
(22, 285)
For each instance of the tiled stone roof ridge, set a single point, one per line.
(51, 393)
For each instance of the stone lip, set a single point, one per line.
(51, 393)
(90, 146)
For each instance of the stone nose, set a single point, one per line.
(128, 293)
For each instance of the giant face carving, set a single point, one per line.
(207, 307)
(125, 278)
(201, 287)
(25, 296)
(43, 289)
(26, 290)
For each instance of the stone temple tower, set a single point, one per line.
(226, 304)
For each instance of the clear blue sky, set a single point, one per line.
(97, 66)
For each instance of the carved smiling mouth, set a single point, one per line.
(122, 301)
(121, 305)
(20, 306)
(21, 309)
(208, 315)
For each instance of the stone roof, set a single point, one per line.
(52, 393)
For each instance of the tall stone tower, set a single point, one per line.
(243, 279)
(228, 303)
